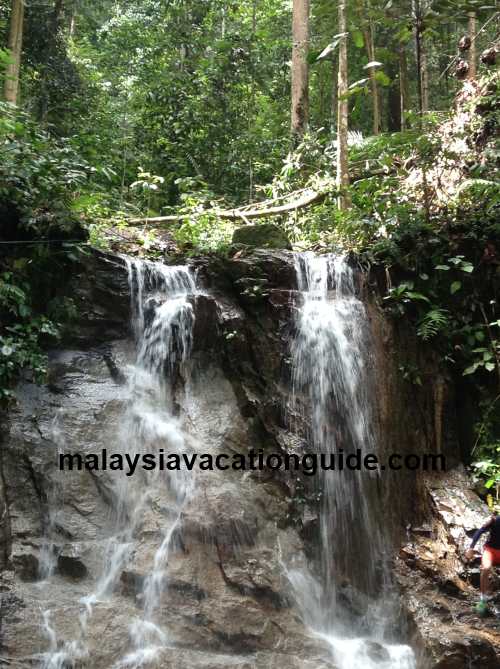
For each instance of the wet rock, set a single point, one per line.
(277, 267)
(376, 652)
(70, 561)
(132, 582)
(102, 298)
(423, 530)
(26, 565)
(206, 324)
(262, 236)
(471, 651)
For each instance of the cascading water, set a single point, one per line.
(47, 561)
(349, 600)
(162, 319)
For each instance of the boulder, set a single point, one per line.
(262, 236)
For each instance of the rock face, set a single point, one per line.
(227, 600)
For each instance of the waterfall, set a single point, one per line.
(162, 320)
(346, 596)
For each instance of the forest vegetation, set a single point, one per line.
(366, 126)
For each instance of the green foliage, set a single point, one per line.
(39, 179)
(412, 374)
(21, 342)
(432, 323)
(38, 176)
(147, 185)
(204, 233)
(486, 451)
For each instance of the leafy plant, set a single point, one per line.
(483, 359)
(38, 176)
(436, 320)
(21, 342)
(402, 295)
(147, 185)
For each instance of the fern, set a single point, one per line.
(434, 321)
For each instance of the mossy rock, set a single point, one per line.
(264, 236)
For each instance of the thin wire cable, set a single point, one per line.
(60, 241)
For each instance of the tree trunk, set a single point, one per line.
(403, 84)
(335, 92)
(343, 113)
(393, 98)
(56, 16)
(370, 52)
(300, 68)
(72, 24)
(473, 48)
(422, 71)
(366, 25)
(15, 43)
(425, 77)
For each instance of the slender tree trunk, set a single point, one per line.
(418, 51)
(71, 14)
(56, 16)
(403, 84)
(223, 24)
(335, 100)
(366, 24)
(343, 112)
(300, 68)
(370, 52)
(473, 48)
(422, 72)
(72, 24)
(15, 43)
(393, 99)
(425, 77)
(251, 115)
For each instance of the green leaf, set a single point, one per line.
(443, 268)
(489, 366)
(359, 41)
(470, 370)
(467, 267)
(382, 78)
(417, 296)
(24, 310)
(455, 287)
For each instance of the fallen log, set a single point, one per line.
(245, 214)
(239, 214)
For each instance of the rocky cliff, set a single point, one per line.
(228, 601)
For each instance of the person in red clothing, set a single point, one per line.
(491, 552)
